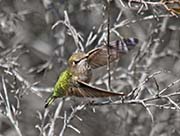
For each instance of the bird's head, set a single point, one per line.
(77, 59)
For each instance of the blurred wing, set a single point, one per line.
(85, 90)
(98, 56)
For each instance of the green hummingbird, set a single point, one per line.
(73, 81)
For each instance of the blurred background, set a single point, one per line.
(37, 38)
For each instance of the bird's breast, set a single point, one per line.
(83, 72)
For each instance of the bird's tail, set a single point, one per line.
(49, 100)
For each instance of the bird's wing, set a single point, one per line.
(98, 56)
(83, 89)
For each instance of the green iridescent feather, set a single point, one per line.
(60, 87)
(62, 84)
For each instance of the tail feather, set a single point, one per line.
(49, 101)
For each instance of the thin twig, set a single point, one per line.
(56, 115)
(148, 110)
(69, 118)
(108, 46)
(76, 36)
(9, 112)
(169, 86)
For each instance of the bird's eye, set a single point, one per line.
(75, 62)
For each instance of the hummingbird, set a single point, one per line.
(73, 81)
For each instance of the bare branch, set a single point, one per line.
(169, 86)
(9, 112)
(56, 115)
(70, 117)
(76, 36)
